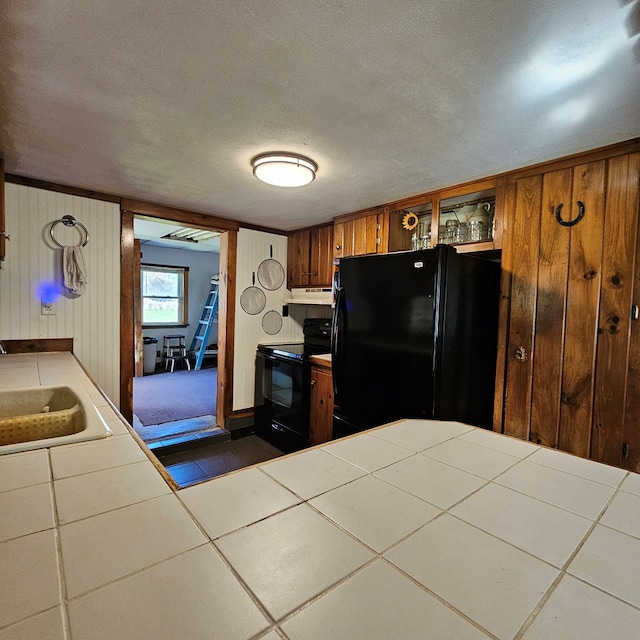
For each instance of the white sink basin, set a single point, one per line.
(46, 416)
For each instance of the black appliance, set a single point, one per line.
(414, 336)
(283, 386)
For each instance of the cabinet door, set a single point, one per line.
(523, 259)
(348, 239)
(398, 238)
(554, 298)
(338, 239)
(321, 262)
(569, 352)
(365, 235)
(583, 290)
(298, 259)
(616, 437)
(321, 406)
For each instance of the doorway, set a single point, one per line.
(176, 318)
(131, 339)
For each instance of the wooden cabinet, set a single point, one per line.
(357, 236)
(570, 343)
(385, 229)
(450, 216)
(309, 257)
(321, 403)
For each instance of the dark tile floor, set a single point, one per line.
(204, 462)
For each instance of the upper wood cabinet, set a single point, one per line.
(467, 216)
(309, 257)
(357, 236)
(569, 374)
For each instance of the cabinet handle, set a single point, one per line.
(521, 354)
(313, 383)
(635, 313)
(570, 223)
(337, 247)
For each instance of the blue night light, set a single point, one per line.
(48, 292)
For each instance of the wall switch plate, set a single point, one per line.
(47, 308)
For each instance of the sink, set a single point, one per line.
(46, 416)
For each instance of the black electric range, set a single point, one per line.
(283, 386)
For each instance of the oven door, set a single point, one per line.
(281, 404)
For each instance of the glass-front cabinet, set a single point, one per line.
(463, 216)
(468, 218)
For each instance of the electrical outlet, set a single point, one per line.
(47, 308)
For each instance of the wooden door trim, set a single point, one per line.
(137, 311)
(127, 324)
(226, 305)
(226, 325)
(187, 218)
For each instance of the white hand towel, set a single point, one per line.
(75, 272)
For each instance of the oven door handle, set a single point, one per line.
(276, 360)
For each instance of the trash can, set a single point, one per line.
(149, 356)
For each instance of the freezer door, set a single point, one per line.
(383, 344)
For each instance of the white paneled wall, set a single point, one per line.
(93, 319)
(253, 248)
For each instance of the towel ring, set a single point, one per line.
(69, 221)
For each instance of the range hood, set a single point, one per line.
(310, 296)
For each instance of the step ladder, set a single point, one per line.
(200, 338)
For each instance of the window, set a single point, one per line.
(164, 295)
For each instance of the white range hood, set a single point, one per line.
(311, 296)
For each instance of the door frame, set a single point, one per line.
(226, 298)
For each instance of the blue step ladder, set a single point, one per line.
(200, 338)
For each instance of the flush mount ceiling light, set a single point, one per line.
(284, 169)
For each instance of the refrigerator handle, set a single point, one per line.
(337, 348)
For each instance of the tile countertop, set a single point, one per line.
(419, 529)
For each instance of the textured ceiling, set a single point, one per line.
(168, 101)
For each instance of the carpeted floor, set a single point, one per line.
(167, 397)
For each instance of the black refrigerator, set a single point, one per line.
(414, 336)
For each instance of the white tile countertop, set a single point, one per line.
(419, 529)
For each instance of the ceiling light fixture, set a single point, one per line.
(284, 169)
